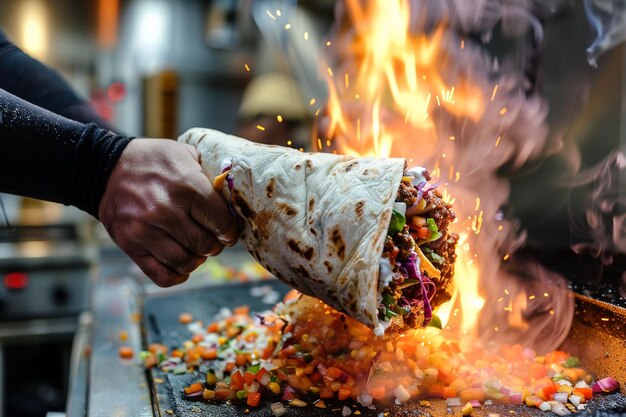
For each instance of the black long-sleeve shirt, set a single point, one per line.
(59, 154)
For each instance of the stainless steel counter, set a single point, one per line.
(101, 383)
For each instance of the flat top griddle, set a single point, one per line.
(161, 325)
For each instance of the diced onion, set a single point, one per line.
(400, 207)
(453, 402)
(364, 399)
(401, 394)
(278, 409)
(560, 397)
(607, 384)
(574, 399)
(345, 411)
(544, 406)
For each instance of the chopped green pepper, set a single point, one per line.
(397, 222)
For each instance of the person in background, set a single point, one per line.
(273, 102)
(150, 194)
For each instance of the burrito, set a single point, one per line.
(365, 235)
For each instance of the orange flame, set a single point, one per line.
(383, 104)
(397, 85)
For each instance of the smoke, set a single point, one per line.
(466, 148)
(608, 18)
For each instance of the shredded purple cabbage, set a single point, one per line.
(414, 273)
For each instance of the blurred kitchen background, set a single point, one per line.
(158, 67)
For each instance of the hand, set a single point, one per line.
(163, 211)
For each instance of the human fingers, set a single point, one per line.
(209, 209)
(173, 255)
(195, 238)
(159, 273)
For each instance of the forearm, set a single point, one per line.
(46, 156)
(32, 81)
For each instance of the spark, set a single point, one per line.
(279, 118)
(532, 297)
(552, 312)
(328, 43)
(358, 129)
(288, 143)
(328, 142)
(346, 79)
(301, 149)
(500, 299)
(278, 13)
(506, 291)
(311, 102)
(247, 67)
(443, 155)
(317, 112)
(508, 308)
(503, 111)
(457, 177)
(451, 172)
(496, 328)
(260, 127)
(438, 102)
(477, 204)
(319, 143)
(462, 43)
(330, 71)
(306, 36)
(493, 93)
(604, 319)
(270, 14)
(288, 26)
(498, 141)
(427, 102)
(545, 294)
(507, 256)
(500, 227)
(452, 138)
(357, 96)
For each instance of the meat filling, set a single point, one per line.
(420, 252)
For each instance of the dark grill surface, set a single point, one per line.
(161, 325)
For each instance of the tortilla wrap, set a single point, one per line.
(317, 221)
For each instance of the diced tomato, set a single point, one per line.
(333, 373)
(423, 232)
(126, 352)
(236, 380)
(213, 328)
(448, 392)
(224, 394)
(326, 393)
(344, 394)
(259, 375)
(185, 318)
(241, 359)
(197, 387)
(248, 377)
(585, 392)
(229, 366)
(197, 338)
(557, 356)
(253, 399)
(241, 310)
(209, 354)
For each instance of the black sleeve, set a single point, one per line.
(32, 81)
(46, 156)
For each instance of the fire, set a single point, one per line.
(383, 106)
(392, 85)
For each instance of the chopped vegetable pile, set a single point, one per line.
(305, 354)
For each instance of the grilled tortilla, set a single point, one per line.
(317, 221)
